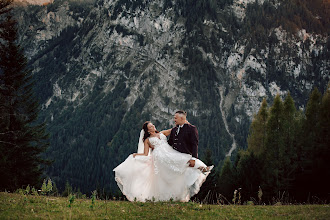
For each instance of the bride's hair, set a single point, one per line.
(145, 128)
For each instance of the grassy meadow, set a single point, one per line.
(19, 206)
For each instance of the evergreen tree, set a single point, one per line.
(289, 154)
(257, 135)
(325, 119)
(275, 148)
(22, 138)
(312, 124)
(249, 174)
(314, 157)
(323, 154)
(309, 140)
(67, 190)
(227, 179)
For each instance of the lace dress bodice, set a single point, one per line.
(156, 142)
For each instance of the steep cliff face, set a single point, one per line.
(104, 68)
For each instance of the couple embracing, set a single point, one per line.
(163, 170)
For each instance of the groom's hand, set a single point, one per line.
(191, 163)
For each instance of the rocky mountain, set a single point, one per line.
(104, 67)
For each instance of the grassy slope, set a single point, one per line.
(14, 206)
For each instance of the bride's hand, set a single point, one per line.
(134, 155)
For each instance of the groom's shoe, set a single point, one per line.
(206, 169)
(210, 168)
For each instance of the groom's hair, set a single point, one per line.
(181, 112)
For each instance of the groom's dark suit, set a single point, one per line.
(186, 141)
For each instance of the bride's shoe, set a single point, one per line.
(204, 170)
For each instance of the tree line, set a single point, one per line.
(287, 158)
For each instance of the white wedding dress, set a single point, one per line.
(162, 176)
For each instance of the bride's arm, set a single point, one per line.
(146, 149)
(167, 132)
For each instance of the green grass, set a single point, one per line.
(17, 206)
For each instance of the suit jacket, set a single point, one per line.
(186, 141)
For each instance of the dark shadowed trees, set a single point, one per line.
(22, 137)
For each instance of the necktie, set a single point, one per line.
(178, 130)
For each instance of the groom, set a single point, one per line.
(184, 137)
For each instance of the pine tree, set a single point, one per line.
(323, 154)
(67, 190)
(309, 140)
(257, 135)
(227, 179)
(312, 123)
(325, 119)
(315, 145)
(290, 134)
(249, 174)
(312, 174)
(22, 138)
(275, 148)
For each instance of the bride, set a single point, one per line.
(162, 174)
